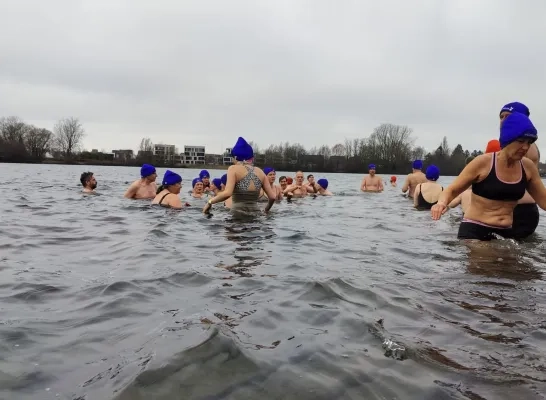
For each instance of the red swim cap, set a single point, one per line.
(493, 146)
(289, 180)
(393, 178)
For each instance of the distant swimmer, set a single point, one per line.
(244, 180)
(526, 216)
(167, 193)
(88, 182)
(198, 188)
(216, 186)
(296, 189)
(416, 177)
(393, 181)
(371, 182)
(271, 177)
(464, 198)
(311, 185)
(322, 187)
(283, 183)
(498, 181)
(205, 178)
(427, 194)
(145, 187)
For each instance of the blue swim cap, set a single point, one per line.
(217, 182)
(418, 164)
(224, 179)
(433, 173)
(517, 126)
(195, 181)
(267, 170)
(147, 170)
(242, 150)
(371, 166)
(171, 178)
(204, 174)
(515, 107)
(323, 183)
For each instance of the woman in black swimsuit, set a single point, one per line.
(167, 193)
(427, 194)
(498, 181)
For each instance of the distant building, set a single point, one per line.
(193, 155)
(166, 153)
(227, 158)
(213, 159)
(123, 155)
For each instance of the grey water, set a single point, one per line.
(357, 296)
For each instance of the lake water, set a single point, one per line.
(356, 296)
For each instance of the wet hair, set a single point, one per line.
(282, 177)
(85, 177)
(309, 176)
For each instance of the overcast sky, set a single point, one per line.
(314, 72)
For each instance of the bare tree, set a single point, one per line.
(68, 136)
(391, 144)
(37, 142)
(338, 150)
(13, 129)
(418, 153)
(146, 145)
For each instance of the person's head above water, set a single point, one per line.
(493, 146)
(515, 107)
(205, 177)
(517, 133)
(223, 179)
(371, 169)
(242, 151)
(171, 181)
(148, 171)
(417, 165)
(88, 180)
(393, 178)
(197, 184)
(217, 182)
(433, 173)
(323, 183)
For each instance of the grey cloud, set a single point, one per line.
(312, 72)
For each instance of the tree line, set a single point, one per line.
(390, 147)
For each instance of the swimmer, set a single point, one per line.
(283, 183)
(88, 182)
(297, 189)
(205, 178)
(464, 198)
(198, 188)
(311, 185)
(167, 193)
(223, 180)
(322, 187)
(393, 181)
(216, 186)
(526, 216)
(271, 176)
(372, 182)
(145, 187)
(416, 177)
(289, 181)
(244, 180)
(427, 194)
(498, 181)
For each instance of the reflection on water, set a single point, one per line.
(354, 296)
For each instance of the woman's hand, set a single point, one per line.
(207, 208)
(438, 210)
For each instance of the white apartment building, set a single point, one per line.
(166, 153)
(193, 155)
(227, 159)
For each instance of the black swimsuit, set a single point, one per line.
(422, 203)
(493, 188)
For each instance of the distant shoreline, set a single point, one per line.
(113, 164)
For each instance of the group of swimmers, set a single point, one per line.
(498, 191)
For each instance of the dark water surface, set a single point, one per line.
(357, 296)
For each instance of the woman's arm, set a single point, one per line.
(271, 193)
(174, 202)
(535, 187)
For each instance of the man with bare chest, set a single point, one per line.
(372, 182)
(297, 189)
(415, 178)
(145, 187)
